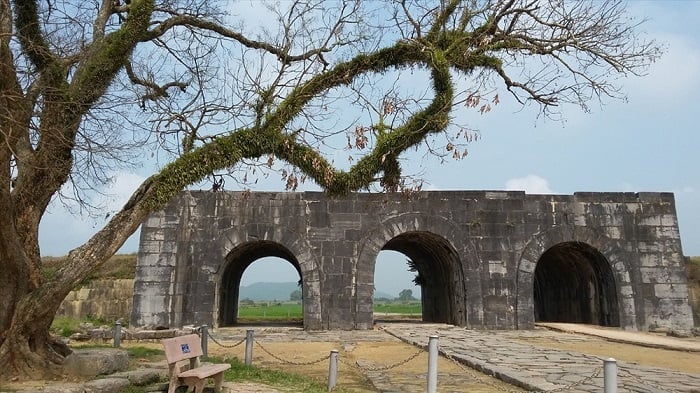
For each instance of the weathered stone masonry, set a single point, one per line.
(485, 259)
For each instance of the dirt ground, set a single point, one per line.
(361, 358)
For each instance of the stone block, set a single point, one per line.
(671, 291)
(92, 362)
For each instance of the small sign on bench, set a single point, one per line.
(193, 374)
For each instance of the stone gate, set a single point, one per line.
(484, 259)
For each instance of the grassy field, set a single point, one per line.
(287, 311)
(270, 311)
(410, 308)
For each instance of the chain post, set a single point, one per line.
(205, 339)
(117, 334)
(610, 375)
(249, 347)
(333, 370)
(432, 364)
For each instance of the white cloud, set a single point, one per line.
(674, 76)
(531, 184)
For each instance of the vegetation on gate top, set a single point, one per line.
(119, 266)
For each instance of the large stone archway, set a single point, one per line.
(480, 249)
(604, 261)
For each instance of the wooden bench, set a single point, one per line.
(194, 374)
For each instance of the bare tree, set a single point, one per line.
(90, 85)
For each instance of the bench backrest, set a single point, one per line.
(182, 347)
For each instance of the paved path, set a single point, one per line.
(626, 336)
(537, 368)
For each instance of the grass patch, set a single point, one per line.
(65, 326)
(293, 311)
(283, 380)
(410, 308)
(145, 353)
(273, 311)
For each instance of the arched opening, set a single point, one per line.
(574, 283)
(266, 255)
(396, 294)
(435, 262)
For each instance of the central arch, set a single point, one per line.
(574, 283)
(435, 262)
(236, 262)
(434, 245)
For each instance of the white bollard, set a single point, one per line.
(248, 347)
(204, 334)
(117, 334)
(610, 375)
(333, 370)
(432, 364)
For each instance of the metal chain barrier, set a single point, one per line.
(625, 373)
(347, 363)
(394, 365)
(226, 345)
(291, 362)
(474, 374)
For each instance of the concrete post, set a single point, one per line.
(610, 375)
(333, 370)
(432, 364)
(205, 339)
(249, 347)
(117, 334)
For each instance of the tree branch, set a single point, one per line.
(190, 21)
(30, 35)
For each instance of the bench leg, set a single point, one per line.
(218, 381)
(173, 384)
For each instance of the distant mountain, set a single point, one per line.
(261, 291)
(383, 295)
(268, 291)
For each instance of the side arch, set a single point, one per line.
(284, 244)
(431, 237)
(540, 243)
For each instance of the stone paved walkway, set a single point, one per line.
(536, 368)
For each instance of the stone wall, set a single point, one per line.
(108, 299)
(477, 252)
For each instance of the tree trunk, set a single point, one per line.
(27, 350)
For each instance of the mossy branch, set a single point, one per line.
(108, 55)
(30, 35)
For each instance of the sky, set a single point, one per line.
(648, 143)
